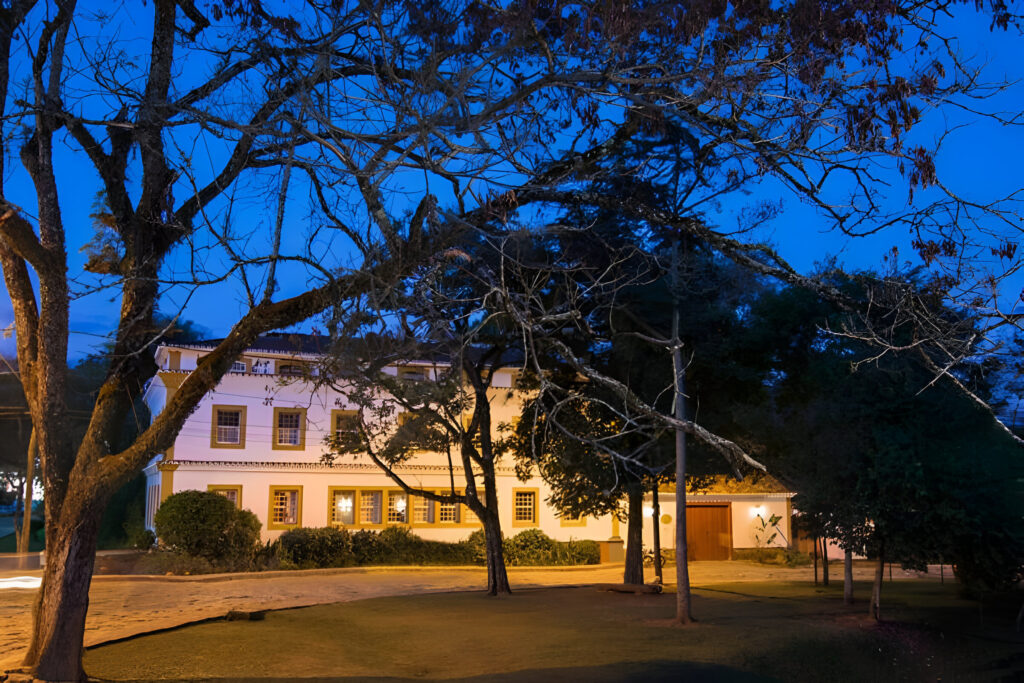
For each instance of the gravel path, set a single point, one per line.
(122, 606)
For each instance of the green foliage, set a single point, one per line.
(174, 562)
(141, 538)
(208, 525)
(477, 545)
(123, 521)
(528, 547)
(888, 459)
(306, 548)
(775, 556)
(366, 547)
(766, 530)
(36, 543)
(532, 547)
(310, 548)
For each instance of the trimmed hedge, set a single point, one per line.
(308, 548)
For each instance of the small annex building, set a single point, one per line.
(259, 436)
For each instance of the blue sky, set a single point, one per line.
(979, 159)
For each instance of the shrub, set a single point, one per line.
(171, 562)
(366, 547)
(140, 538)
(308, 548)
(476, 546)
(776, 556)
(208, 525)
(399, 545)
(529, 547)
(583, 552)
(397, 542)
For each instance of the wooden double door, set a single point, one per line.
(709, 532)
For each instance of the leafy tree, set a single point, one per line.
(887, 460)
(445, 407)
(349, 96)
(358, 98)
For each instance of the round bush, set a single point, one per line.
(208, 525)
(530, 547)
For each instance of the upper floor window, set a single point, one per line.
(239, 366)
(413, 374)
(346, 423)
(228, 427)
(289, 428)
(291, 369)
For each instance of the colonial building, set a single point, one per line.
(259, 436)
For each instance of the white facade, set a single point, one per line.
(259, 437)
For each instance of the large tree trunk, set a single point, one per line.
(30, 474)
(657, 533)
(497, 576)
(634, 572)
(848, 577)
(875, 608)
(55, 652)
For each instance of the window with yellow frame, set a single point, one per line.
(227, 427)
(285, 507)
(566, 520)
(524, 507)
(289, 433)
(232, 492)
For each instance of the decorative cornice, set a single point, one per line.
(732, 497)
(264, 465)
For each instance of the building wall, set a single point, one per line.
(255, 486)
(252, 468)
(743, 509)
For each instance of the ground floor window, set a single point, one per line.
(398, 507)
(449, 513)
(232, 493)
(524, 511)
(370, 507)
(423, 511)
(343, 507)
(285, 507)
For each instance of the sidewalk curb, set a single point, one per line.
(331, 571)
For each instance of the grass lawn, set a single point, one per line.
(747, 632)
